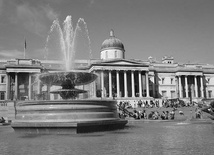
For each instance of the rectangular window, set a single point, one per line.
(3, 79)
(55, 96)
(106, 54)
(172, 94)
(210, 93)
(163, 93)
(2, 95)
(208, 80)
(118, 54)
(171, 80)
(163, 80)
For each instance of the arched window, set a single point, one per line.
(106, 54)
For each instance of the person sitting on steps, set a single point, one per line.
(2, 120)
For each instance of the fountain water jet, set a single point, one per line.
(68, 37)
(67, 115)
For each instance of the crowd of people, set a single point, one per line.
(166, 103)
(144, 109)
(154, 115)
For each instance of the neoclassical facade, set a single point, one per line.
(118, 78)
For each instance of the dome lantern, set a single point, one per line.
(112, 33)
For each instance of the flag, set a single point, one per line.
(25, 44)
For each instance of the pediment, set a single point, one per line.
(122, 62)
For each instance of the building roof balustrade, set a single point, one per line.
(187, 69)
(25, 62)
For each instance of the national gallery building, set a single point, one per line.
(117, 77)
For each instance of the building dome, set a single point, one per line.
(112, 42)
(112, 48)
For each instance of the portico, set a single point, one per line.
(190, 84)
(121, 79)
(19, 83)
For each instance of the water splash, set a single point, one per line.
(86, 34)
(68, 40)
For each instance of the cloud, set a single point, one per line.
(34, 19)
(51, 15)
(9, 54)
(91, 2)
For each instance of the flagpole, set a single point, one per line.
(25, 45)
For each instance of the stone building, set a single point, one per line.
(118, 77)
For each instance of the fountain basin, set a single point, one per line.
(66, 116)
(74, 78)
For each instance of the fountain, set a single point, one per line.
(69, 115)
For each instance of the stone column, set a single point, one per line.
(196, 87)
(206, 91)
(147, 84)
(94, 89)
(180, 87)
(16, 86)
(202, 87)
(39, 87)
(39, 90)
(133, 87)
(140, 83)
(186, 87)
(48, 92)
(118, 83)
(153, 86)
(30, 87)
(102, 84)
(176, 87)
(125, 84)
(110, 83)
(8, 84)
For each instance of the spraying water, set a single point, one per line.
(68, 40)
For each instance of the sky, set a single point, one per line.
(183, 29)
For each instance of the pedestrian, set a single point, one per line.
(172, 114)
(163, 115)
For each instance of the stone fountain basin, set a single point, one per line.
(73, 77)
(66, 116)
(68, 90)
